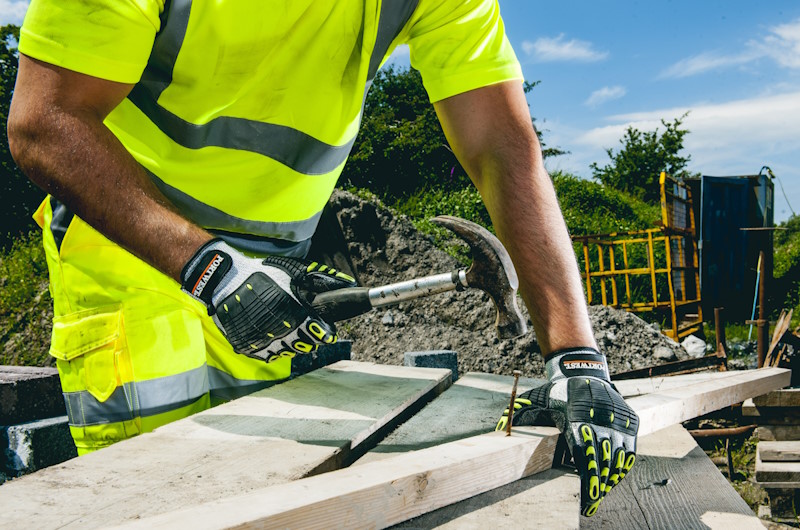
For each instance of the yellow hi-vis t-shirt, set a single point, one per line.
(244, 111)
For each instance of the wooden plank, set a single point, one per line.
(674, 367)
(767, 472)
(779, 433)
(391, 490)
(788, 451)
(474, 403)
(788, 397)
(548, 499)
(470, 407)
(695, 494)
(382, 493)
(675, 405)
(314, 423)
(638, 387)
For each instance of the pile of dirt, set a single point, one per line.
(386, 248)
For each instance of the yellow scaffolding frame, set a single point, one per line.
(673, 287)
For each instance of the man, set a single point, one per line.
(189, 148)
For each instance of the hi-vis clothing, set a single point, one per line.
(243, 114)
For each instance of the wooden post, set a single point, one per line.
(763, 326)
(719, 332)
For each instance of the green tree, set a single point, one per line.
(401, 148)
(636, 167)
(18, 196)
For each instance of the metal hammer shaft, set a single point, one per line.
(342, 304)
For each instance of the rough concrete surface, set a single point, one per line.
(35, 445)
(29, 393)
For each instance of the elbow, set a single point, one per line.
(26, 134)
(20, 134)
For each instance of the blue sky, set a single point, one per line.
(734, 65)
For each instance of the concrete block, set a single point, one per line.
(35, 445)
(325, 355)
(433, 359)
(29, 393)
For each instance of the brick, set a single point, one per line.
(35, 445)
(433, 359)
(29, 393)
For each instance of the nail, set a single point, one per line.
(517, 373)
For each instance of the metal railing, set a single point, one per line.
(649, 270)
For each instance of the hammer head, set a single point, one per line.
(492, 272)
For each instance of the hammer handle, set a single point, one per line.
(342, 304)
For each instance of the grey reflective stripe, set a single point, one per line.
(138, 399)
(394, 16)
(213, 218)
(295, 149)
(225, 387)
(174, 20)
(292, 148)
(60, 221)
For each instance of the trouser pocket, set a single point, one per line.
(92, 357)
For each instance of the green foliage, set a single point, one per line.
(401, 148)
(590, 208)
(636, 167)
(426, 204)
(18, 196)
(786, 269)
(25, 306)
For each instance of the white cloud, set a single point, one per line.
(547, 49)
(12, 11)
(733, 138)
(607, 93)
(705, 62)
(782, 45)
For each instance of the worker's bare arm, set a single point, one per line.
(491, 133)
(57, 137)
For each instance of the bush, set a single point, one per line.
(591, 208)
(25, 306)
(786, 271)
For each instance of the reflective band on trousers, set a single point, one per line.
(156, 396)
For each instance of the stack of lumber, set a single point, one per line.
(777, 414)
(279, 458)
(778, 471)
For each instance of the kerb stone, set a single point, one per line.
(29, 393)
(433, 359)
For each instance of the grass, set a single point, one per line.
(25, 304)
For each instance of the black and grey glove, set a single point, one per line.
(261, 304)
(599, 427)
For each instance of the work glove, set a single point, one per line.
(261, 305)
(599, 427)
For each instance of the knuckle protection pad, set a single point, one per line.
(257, 313)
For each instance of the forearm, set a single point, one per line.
(491, 132)
(71, 154)
(522, 204)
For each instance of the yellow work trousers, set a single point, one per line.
(133, 351)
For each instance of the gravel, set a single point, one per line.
(386, 248)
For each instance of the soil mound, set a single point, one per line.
(386, 248)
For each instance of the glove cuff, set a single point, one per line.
(575, 362)
(204, 272)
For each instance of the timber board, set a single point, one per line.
(314, 423)
(393, 489)
(786, 451)
(673, 485)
